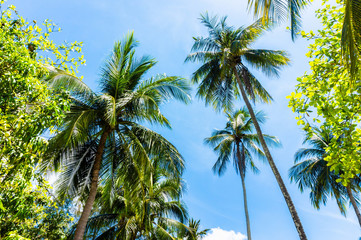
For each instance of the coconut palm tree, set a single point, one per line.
(144, 204)
(224, 55)
(237, 140)
(311, 171)
(278, 10)
(102, 129)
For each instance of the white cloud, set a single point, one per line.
(220, 234)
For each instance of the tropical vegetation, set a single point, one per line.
(96, 163)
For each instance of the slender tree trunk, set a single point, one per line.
(80, 228)
(275, 171)
(354, 205)
(242, 172)
(246, 207)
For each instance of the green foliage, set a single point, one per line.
(329, 96)
(27, 106)
(27, 109)
(28, 210)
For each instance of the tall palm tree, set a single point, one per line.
(238, 140)
(311, 171)
(145, 204)
(278, 10)
(224, 54)
(99, 128)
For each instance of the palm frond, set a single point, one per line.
(58, 79)
(279, 10)
(204, 45)
(217, 137)
(214, 26)
(224, 150)
(75, 177)
(250, 34)
(78, 124)
(167, 87)
(350, 36)
(268, 61)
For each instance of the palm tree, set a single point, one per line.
(278, 10)
(193, 232)
(144, 204)
(311, 171)
(238, 140)
(224, 54)
(101, 128)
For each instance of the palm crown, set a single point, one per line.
(311, 171)
(227, 49)
(238, 141)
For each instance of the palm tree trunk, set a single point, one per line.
(275, 171)
(80, 228)
(242, 172)
(354, 205)
(246, 207)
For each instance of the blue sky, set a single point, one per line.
(165, 30)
